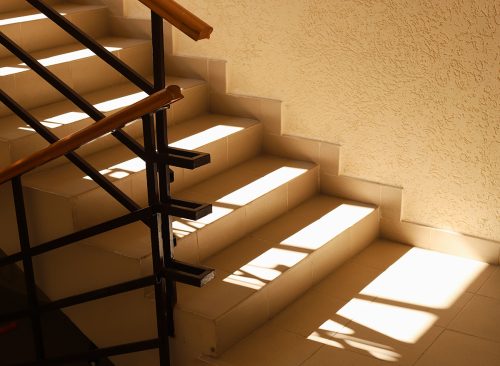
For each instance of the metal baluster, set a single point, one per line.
(29, 275)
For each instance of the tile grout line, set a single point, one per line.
(443, 329)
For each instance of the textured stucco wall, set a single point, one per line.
(409, 88)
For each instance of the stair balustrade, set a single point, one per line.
(157, 155)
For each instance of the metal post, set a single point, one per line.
(156, 240)
(29, 275)
(163, 168)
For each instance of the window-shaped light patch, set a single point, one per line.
(377, 350)
(401, 323)
(205, 137)
(71, 56)
(181, 229)
(425, 278)
(217, 213)
(326, 228)
(54, 60)
(261, 186)
(123, 169)
(23, 19)
(326, 333)
(10, 70)
(111, 105)
(107, 106)
(265, 268)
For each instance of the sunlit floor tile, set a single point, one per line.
(456, 349)
(425, 278)
(270, 346)
(328, 356)
(480, 317)
(373, 343)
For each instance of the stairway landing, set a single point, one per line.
(391, 304)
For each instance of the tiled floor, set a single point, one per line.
(391, 304)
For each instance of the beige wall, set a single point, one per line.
(409, 88)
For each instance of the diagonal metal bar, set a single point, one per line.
(29, 273)
(92, 45)
(68, 92)
(62, 241)
(76, 159)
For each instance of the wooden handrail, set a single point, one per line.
(181, 18)
(110, 123)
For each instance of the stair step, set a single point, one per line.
(387, 304)
(256, 277)
(64, 118)
(109, 258)
(75, 65)
(33, 31)
(60, 200)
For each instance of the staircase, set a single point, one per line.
(272, 233)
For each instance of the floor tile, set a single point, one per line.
(458, 349)
(270, 346)
(308, 313)
(403, 345)
(329, 356)
(347, 282)
(491, 287)
(381, 254)
(427, 279)
(480, 317)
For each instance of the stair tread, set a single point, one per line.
(133, 240)
(24, 15)
(68, 181)
(60, 116)
(254, 262)
(61, 54)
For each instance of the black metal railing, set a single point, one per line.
(157, 215)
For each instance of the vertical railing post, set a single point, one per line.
(29, 275)
(157, 252)
(163, 167)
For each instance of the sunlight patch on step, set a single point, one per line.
(123, 169)
(262, 186)
(10, 70)
(265, 268)
(120, 102)
(323, 230)
(24, 18)
(107, 106)
(186, 227)
(54, 60)
(444, 279)
(205, 137)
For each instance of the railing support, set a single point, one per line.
(29, 274)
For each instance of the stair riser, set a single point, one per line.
(83, 75)
(273, 298)
(42, 33)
